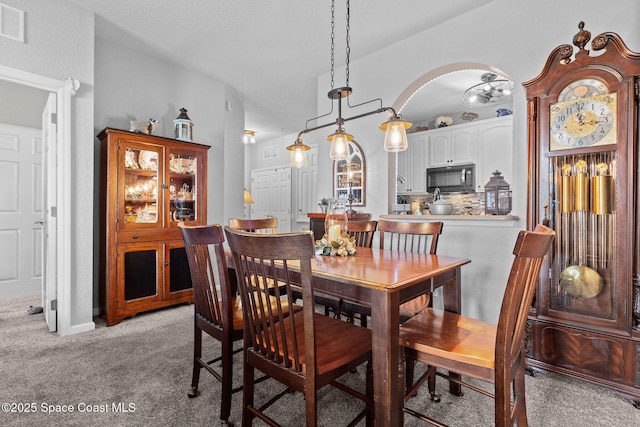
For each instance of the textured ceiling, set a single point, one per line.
(273, 51)
(270, 51)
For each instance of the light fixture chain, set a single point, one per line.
(348, 38)
(333, 26)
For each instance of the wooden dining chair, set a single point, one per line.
(362, 232)
(217, 308)
(304, 351)
(259, 225)
(476, 349)
(418, 237)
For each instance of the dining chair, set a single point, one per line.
(405, 236)
(476, 349)
(362, 232)
(418, 237)
(259, 225)
(217, 308)
(304, 351)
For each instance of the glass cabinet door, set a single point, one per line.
(141, 187)
(183, 186)
(583, 277)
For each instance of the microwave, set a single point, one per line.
(452, 179)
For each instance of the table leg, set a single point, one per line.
(452, 296)
(388, 369)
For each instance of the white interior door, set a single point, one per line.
(281, 198)
(49, 214)
(271, 192)
(20, 211)
(307, 189)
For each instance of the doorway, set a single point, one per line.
(57, 263)
(271, 191)
(21, 236)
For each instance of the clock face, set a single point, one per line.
(584, 88)
(583, 122)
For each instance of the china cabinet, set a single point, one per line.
(148, 185)
(412, 164)
(583, 182)
(349, 176)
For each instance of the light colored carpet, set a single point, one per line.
(145, 362)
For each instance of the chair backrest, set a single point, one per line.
(421, 237)
(362, 231)
(261, 225)
(209, 293)
(529, 251)
(258, 259)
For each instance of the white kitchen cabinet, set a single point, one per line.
(495, 150)
(453, 145)
(411, 165)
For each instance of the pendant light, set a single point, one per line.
(298, 153)
(395, 128)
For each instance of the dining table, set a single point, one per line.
(384, 279)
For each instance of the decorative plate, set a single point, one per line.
(148, 160)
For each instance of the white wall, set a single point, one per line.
(59, 44)
(515, 36)
(151, 88)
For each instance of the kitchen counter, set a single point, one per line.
(461, 220)
(487, 240)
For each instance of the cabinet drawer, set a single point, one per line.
(138, 236)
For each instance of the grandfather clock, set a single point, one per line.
(584, 183)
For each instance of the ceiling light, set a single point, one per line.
(491, 91)
(249, 137)
(396, 135)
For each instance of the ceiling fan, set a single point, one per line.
(491, 91)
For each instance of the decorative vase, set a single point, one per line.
(335, 223)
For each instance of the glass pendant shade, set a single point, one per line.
(298, 156)
(339, 144)
(395, 138)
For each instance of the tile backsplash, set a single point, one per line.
(463, 204)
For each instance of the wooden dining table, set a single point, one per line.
(384, 279)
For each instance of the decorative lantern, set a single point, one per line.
(497, 195)
(182, 126)
(335, 223)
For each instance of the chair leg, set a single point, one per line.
(227, 378)
(519, 399)
(197, 354)
(410, 365)
(363, 320)
(247, 392)
(431, 384)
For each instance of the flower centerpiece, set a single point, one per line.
(341, 245)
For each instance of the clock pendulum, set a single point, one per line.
(580, 281)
